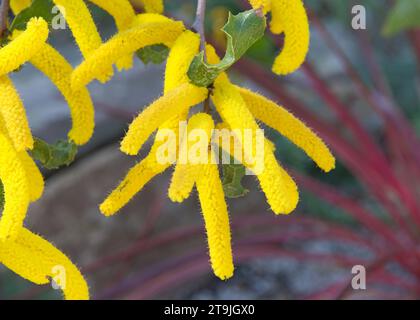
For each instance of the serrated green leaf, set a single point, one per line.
(242, 31)
(155, 54)
(232, 180)
(38, 8)
(54, 156)
(403, 16)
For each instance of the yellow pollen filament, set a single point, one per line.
(24, 46)
(173, 103)
(59, 71)
(16, 190)
(291, 127)
(36, 260)
(186, 174)
(13, 114)
(289, 17)
(121, 45)
(216, 219)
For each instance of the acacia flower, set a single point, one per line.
(239, 108)
(288, 17)
(148, 29)
(152, 6)
(18, 5)
(35, 259)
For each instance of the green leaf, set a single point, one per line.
(242, 31)
(403, 16)
(232, 180)
(38, 8)
(155, 54)
(54, 156)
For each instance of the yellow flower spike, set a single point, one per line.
(81, 23)
(24, 46)
(18, 5)
(16, 190)
(37, 260)
(185, 48)
(279, 188)
(135, 180)
(153, 6)
(180, 58)
(173, 103)
(123, 14)
(265, 5)
(289, 16)
(14, 116)
(216, 219)
(122, 44)
(59, 71)
(291, 127)
(34, 176)
(186, 174)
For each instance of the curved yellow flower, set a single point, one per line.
(291, 127)
(13, 114)
(186, 174)
(216, 218)
(18, 5)
(179, 60)
(289, 17)
(23, 47)
(122, 44)
(123, 14)
(59, 71)
(265, 5)
(36, 260)
(16, 190)
(152, 6)
(33, 175)
(173, 103)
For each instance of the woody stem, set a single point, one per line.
(199, 23)
(4, 12)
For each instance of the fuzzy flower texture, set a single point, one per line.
(240, 109)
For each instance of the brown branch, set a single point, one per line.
(4, 12)
(199, 24)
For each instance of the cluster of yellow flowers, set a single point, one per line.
(240, 109)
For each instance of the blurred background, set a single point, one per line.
(359, 89)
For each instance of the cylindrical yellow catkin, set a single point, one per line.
(122, 44)
(173, 103)
(59, 71)
(155, 6)
(291, 127)
(36, 260)
(279, 188)
(14, 116)
(34, 176)
(23, 46)
(289, 16)
(123, 14)
(186, 173)
(216, 218)
(16, 190)
(265, 5)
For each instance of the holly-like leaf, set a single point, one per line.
(38, 8)
(404, 15)
(54, 156)
(232, 180)
(155, 54)
(242, 31)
